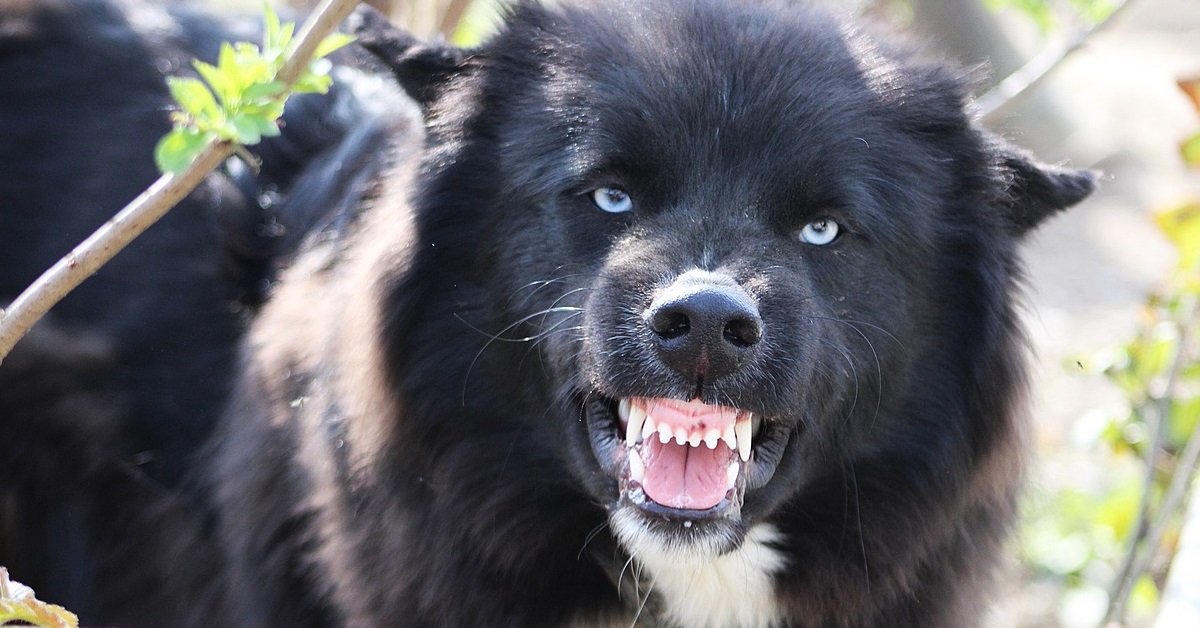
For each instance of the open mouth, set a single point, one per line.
(684, 459)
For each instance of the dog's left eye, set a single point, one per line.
(820, 232)
(612, 200)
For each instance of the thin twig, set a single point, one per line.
(100, 247)
(1032, 73)
(316, 28)
(151, 205)
(1148, 531)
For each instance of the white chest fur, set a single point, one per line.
(733, 590)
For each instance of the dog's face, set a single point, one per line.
(736, 234)
(762, 232)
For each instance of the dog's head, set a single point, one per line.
(747, 242)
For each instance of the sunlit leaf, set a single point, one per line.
(264, 90)
(1184, 419)
(246, 130)
(1190, 149)
(332, 43)
(19, 607)
(179, 148)
(271, 28)
(242, 101)
(1181, 225)
(1094, 11)
(216, 80)
(192, 95)
(313, 84)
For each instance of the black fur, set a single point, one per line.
(420, 426)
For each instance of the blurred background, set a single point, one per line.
(1112, 284)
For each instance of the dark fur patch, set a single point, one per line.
(422, 426)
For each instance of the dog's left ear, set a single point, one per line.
(1036, 191)
(418, 65)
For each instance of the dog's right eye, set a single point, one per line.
(820, 232)
(612, 200)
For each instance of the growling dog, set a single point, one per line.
(683, 313)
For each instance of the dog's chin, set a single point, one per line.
(683, 470)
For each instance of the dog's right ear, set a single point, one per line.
(419, 66)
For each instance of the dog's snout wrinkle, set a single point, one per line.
(704, 325)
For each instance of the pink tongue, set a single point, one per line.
(679, 476)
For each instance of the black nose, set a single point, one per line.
(704, 325)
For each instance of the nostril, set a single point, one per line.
(704, 326)
(743, 332)
(670, 323)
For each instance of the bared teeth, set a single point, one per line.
(636, 419)
(640, 426)
(743, 430)
(637, 467)
(729, 437)
(731, 473)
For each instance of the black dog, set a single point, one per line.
(686, 314)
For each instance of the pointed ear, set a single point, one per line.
(1035, 191)
(419, 66)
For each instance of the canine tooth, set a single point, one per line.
(637, 468)
(664, 433)
(649, 428)
(731, 473)
(695, 438)
(711, 438)
(636, 417)
(681, 436)
(744, 430)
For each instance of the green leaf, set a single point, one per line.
(216, 79)
(1181, 224)
(1191, 151)
(247, 130)
(312, 84)
(268, 128)
(193, 96)
(1094, 11)
(226, 73)
(271, 28)
(332, 43)
(264, 90)
(179, 148)
(1184, 420)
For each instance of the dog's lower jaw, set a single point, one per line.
(703, 584)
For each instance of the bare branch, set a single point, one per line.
(1032, 73)
(100, 247)
(1149, 529)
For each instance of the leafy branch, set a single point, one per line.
(240, 102)
(1164, 380)
(1039, 67)
(241, 98)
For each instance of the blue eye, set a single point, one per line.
(612, 200)
(820, 232)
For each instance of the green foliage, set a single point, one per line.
(19, 607)
(1080, 536)
(239, 100)
(1048, 15)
